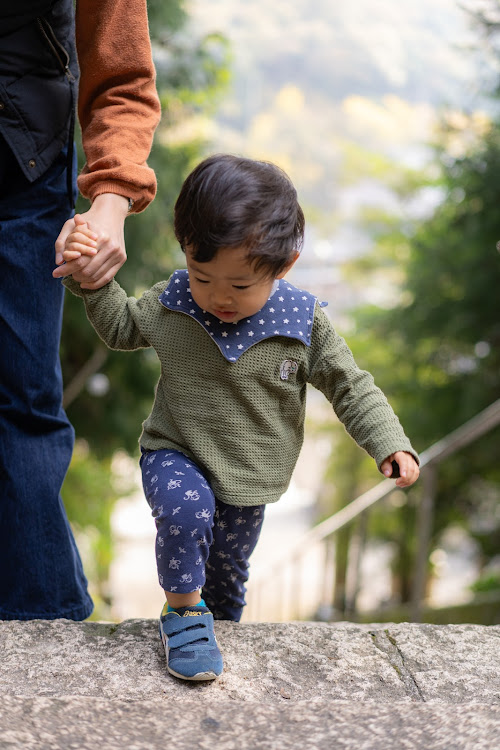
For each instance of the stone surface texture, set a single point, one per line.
(287, 685)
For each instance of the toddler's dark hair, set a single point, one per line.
(231, 201)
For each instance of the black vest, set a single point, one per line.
(38, 80)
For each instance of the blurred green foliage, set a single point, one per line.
(436, 352)
(486, 583)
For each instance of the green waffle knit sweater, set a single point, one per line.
(240, 422)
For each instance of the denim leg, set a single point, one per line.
(41, 575)
(236, 532)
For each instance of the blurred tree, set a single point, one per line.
(436, 353)
(109, 394)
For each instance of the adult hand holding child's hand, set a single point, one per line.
(81, 240)
(92, 256)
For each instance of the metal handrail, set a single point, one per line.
(459, 438)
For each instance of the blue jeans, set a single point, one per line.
(41, 574)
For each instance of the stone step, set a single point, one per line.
(88, 723)
(288, 685)
(268, 662)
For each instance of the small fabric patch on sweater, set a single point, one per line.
(288, 367)
(288, 312)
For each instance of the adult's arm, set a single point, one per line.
(118, 109)
(118, 105)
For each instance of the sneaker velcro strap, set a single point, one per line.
(185, 632)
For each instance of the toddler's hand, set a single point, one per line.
(93, 266)
(408, 468)
(81, 241)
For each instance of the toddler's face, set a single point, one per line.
(228, 286)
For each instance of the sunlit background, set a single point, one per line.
(385, 115)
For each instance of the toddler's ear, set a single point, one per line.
(288, 266)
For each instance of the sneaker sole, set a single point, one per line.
(200, 677)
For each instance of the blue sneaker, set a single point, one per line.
(190, 645)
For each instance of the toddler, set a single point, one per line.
(237, 345)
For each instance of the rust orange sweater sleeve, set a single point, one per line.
(118, 105)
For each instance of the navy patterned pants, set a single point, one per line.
(201, 543)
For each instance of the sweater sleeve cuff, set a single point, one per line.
(91, 186)
(405, 449)
(75, 288)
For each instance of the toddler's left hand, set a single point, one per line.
(81, 241)
(408, 468)
(92, 245)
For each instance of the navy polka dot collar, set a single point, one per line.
(288, 312)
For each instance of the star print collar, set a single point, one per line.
(288, 312)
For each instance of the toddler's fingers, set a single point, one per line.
(83, 249)
(79, 220)
(84, 226)
(78, 250)
(81, 243)
(75, 249)
(82, 234)
(405, 482)
(386, 467)
(410, 475)
(71, 255)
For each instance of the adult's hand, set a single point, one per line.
(93, 269)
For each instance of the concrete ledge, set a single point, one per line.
(90, 723)
(316, 685)
(263, 662)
